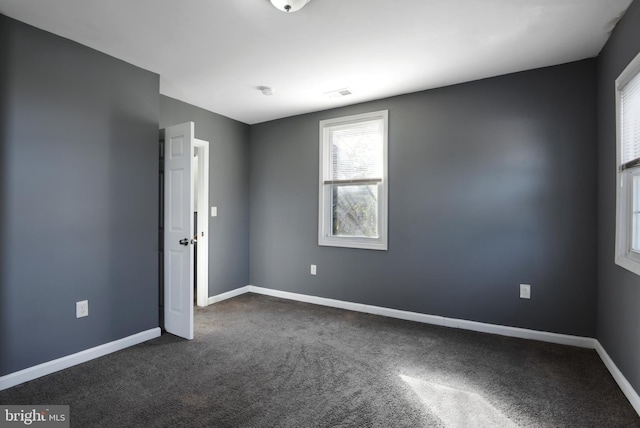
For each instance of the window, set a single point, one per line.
(628, 192)
(353, 181)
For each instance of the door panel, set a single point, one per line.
(178, 258)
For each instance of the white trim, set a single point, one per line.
(202, 275)
(622, 382)
(357, 307)
(522, 333)
(53, 366)
(228, 295)
(563, 339)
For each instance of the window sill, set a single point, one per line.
(358, 243)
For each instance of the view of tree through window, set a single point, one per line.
(356, 170)
(355, 210)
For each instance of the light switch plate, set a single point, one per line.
(525, 291)
(214, 211)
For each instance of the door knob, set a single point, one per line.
(184, 242)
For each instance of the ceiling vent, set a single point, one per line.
(339, 93)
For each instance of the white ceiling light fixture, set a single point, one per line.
(289, 5)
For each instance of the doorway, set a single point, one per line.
(200, 176)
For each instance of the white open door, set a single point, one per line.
(178, 230)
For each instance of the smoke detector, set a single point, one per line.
(266, 90)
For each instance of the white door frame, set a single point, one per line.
(202, 274)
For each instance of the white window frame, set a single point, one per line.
(624, 255)
(325, 237)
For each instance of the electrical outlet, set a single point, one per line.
(525, 291)
(313, 269)
(82, 309)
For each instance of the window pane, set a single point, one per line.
(356, 151)
(635, 214)
(630, 120)
(355, 210)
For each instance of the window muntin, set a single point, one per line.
(353, 181)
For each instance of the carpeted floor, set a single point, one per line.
(258, 361)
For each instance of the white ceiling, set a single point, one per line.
(216, 53)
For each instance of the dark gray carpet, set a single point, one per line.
(259, 361)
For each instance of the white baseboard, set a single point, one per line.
(228, 295)
(563, 339)
(53, 366)
(623, 383)
(357, 307)
(522, 333)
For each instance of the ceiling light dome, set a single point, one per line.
(289, 5)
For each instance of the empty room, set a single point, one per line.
(320, 213)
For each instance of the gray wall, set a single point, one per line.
(618, 289)
(488, 187)
(78, 197)
(228, 190)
